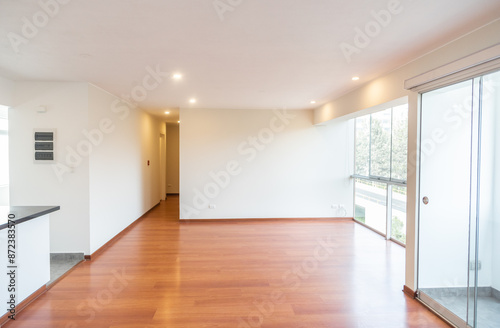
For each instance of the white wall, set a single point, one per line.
(6, 92)
(172, 158)
(122, 185)
(33, 252)
(389, 87)
(37, 184)
(4, 195)
(102, 181)
(290, 169)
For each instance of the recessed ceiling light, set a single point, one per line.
(167, 113)
(177, 76)
(355, 78)
(192, 100)
(313, 101)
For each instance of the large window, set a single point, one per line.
(399, 143)
(380, 171)
(371, 202)
(4, 157)
(381, 144)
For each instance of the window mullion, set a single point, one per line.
(392, 137)
(370, 148)
(389, 212)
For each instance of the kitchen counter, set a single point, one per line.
(23, 213)
(24, 255)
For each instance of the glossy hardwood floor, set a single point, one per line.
(290, 274)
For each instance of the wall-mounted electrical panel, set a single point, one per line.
(44, 145)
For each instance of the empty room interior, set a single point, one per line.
(241, 164)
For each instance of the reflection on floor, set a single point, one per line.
(60, 263)
(165, 273)
(455, 300)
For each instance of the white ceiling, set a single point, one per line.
(263, 54)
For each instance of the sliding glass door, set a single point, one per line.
(485, 257)
(458, 214)
(445, 182)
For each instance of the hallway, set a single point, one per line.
(269, 274)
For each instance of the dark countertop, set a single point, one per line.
(24, 213)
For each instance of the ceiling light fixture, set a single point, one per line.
(313, 101)
(167, 113)
(192, 100)
(355, 78)
(178, 121)
(177, 76)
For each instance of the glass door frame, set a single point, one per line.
(474, 195)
